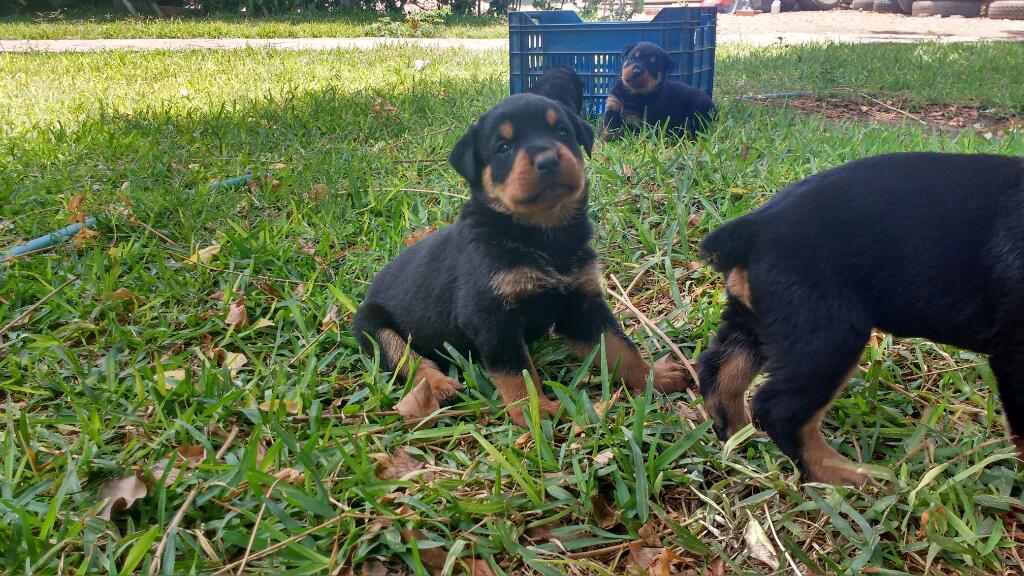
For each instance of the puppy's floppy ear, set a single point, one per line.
(668, 65)
(463, 156)
(584, 131)
(626, 49)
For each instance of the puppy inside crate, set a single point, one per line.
(926, 245)
(515, 265)
(642, 96)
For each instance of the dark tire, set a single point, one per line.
(886, 7)
(1006, 10)
(818, 4)
(906, 6)
(965, 8)
(862, 5)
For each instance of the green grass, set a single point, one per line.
(100, 24)
(100, 384)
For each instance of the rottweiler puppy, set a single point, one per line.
(643, 95)
(562, 84)
(516, 263)
(926, 245)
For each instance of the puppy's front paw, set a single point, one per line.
(547, 407)
(443, 387)
(670, 376)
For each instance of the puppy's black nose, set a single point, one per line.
(546, 162)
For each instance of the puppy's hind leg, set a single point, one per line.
(1008, 367)
(373, 321)
(727, 368)
(814, 349)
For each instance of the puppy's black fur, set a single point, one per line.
(516, 264)
(562, 84)
(924, 245)
(643, 95)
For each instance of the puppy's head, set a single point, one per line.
(523, 158)
(644, 67)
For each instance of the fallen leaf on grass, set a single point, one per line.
(203, 255)
(641, 558)
(192, 455)
(268, 289)
(418, 235)
(218, 295)
(119, 294)
(480, 567)
(373, 568)
(627, 171)
(330, 321)
(603, 458)
(307, 247)
(174, 377)
(75, 204)
(238, 317)
(232, 360)
(277, 165)
(290, 476)
(418, 403)
(161, 468)
(604, 515)
(694, 219)
(120, 494)
(263, 323)
(649, 534)
(398, 465)
(290, 406)
(84, 234)
(717, 567)
(319, 191)
(758, 544)
(432, 558)
(523, 442)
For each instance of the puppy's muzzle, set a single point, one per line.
(547, 163)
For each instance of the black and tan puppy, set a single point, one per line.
(562, 84)
(924, 245)
(642, 95)
(516, 264)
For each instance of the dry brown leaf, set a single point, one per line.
(641, 558)
(686, 413)
(758, 544)
(627, 171)
(268, 289)
(523, 442)
(373, 568)
(418, 235)
(300, 291)
(75, 204)
(238, 317)
(601, 408)
(480, 567)
(398, 465)
(232, 360)
(174, 377)
(694, 219)
(604, 514)
(84, 234)
(330, 321)
(203, 255)
(277, 165)
(717, 567)
(649, 534)
(119, 294)
(193, 455)
(263, 323)
(319, 191)
(120, 494)
(418, 403)
(290, 406)
(161, 467)
(218, 295)
(663, 564)
(290, 476)
(383, 106)
(432, 558)
(603, 458)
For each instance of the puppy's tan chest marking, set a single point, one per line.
(515, 284)
(737, 284)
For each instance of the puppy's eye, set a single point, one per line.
(504, 148)
(562, 132)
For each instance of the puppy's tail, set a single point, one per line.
(730, 245)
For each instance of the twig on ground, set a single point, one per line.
(792, 563)
(893, 108)
(256, 527)
(25, 315)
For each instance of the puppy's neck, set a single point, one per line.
(492, 226)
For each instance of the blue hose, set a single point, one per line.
(44, 242)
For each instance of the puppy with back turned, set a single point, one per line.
(642, 95)
(515, 265)
(561, 84)
(924, 245)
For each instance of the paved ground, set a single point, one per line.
(789, 28)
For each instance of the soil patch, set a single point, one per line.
(947, 118)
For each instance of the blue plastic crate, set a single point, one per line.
(543, 39)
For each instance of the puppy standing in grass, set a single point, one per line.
(516, 264)
(642, 95)
(918, 244)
